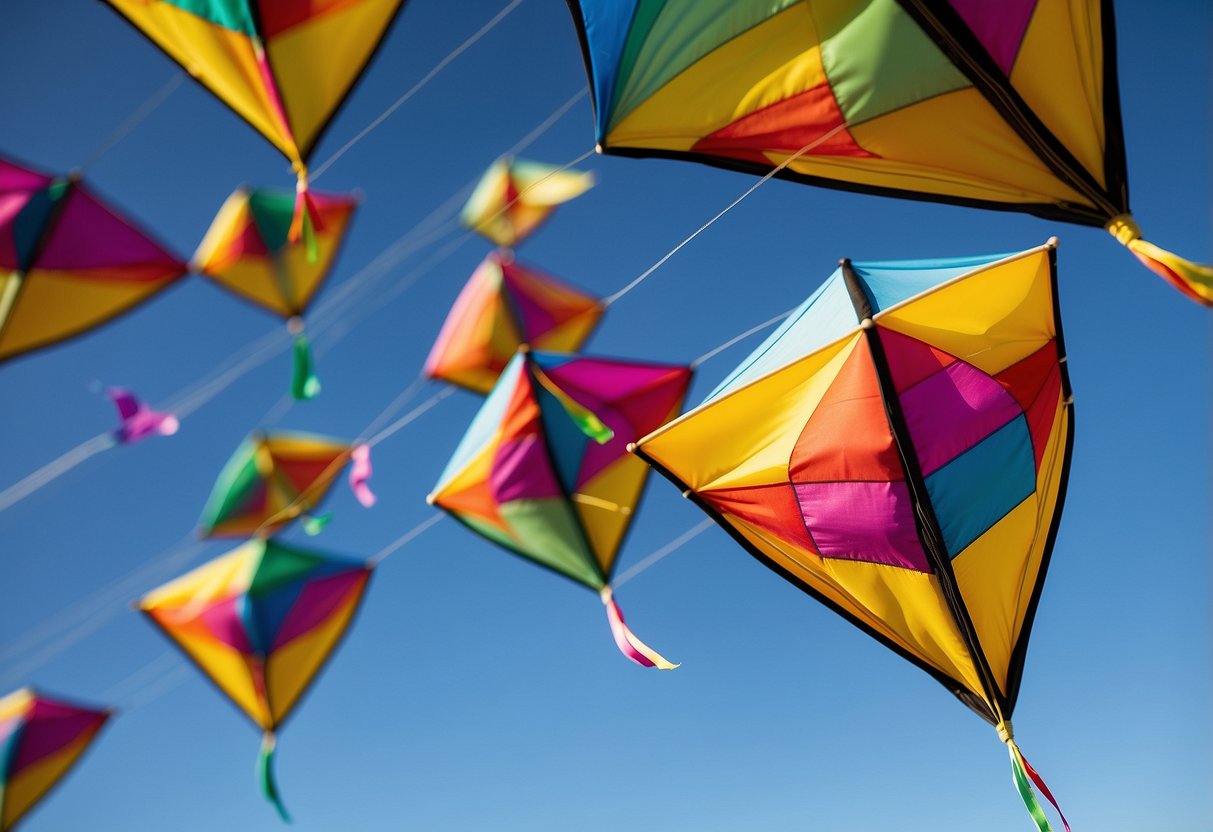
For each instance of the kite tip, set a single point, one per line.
(631, 447)
(598, 148)
(866, 323)
(1052, 242)
(431, 499)
(294, 325)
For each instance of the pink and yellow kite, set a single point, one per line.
(41, 739)
(504, 306)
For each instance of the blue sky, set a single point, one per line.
(478, 692)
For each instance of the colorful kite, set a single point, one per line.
(276, 477)
(261, 622)
(41, 739)
(544, 472)
(898, 449)
(249, 251)
(516, 196)
(503, 306)
(1011, 105)
(68, 262)
(138, 420)
(285, 68)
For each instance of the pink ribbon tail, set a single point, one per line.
(626, 640)
(360, 472)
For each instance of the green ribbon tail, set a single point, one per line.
(1024, 786)
(315, 523)
(265, 776)
(304, 383)
(582, 417)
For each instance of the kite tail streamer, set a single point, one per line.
(1023, 776)
(626, 641)
(360, 472)
(305, 219)
(304, 383)
(1193, 279)
(265, 774)
(589, 424)
(314, 524)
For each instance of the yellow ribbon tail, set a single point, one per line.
(1193, 279)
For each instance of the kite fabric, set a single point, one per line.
(261, 622)
(41, 739)
(285, 68)
(138, 421)
(249, 250)
(276, 477)
(68, 261)
(516, 196)
(1011, 105)
(898, 449)
(543, 470)
(504, 306)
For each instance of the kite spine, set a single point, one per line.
(925, 521)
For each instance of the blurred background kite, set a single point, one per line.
(543, 469)
(276, 477)
(899, 449)
(504, 306)
(260, 622)
(250, 252)
(516, 196)
(68, 261)
(1010, 105)
(41, 739)
(285, 68)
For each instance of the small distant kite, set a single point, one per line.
(68, 262)
(260, 622)
(504, 306)
(543, 470)
(138, 420)
(249, 251)
(41, 739)
(1008, 105)
(276, 477)
(898, 449)
(516, 196)
(285, 68)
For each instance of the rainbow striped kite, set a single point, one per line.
(898, 449)
(41, 739)
(260, 622)
(1011, 105)
(68, 262)
(543, 470)
(504, 306)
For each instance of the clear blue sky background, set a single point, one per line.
(479, 692)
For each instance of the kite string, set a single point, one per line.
(405, 538)
(736, 339)
(413, 90)
(772, 172)
(668, 549)
(21, 489)
(149, 106)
